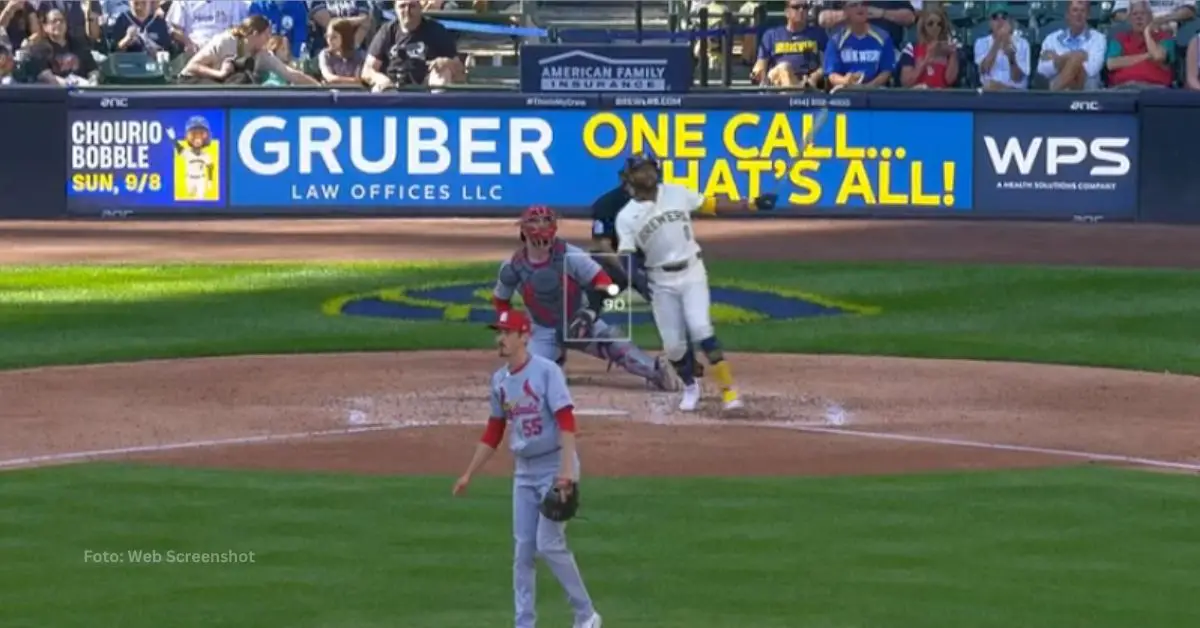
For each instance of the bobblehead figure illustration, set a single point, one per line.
(197, 161)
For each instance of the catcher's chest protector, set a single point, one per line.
(542, 287)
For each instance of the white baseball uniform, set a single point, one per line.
(198, 164)
(662, 230)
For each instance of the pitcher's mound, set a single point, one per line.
(422, 412)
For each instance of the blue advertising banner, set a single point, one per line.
(606, 68)
(1056, 164)
(145, 158)
(473, 158)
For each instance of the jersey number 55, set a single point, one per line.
(531, 427)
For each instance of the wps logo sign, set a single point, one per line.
(1103, 156)
(1048, 165)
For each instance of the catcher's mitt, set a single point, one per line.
(581, 325)
(562, 502)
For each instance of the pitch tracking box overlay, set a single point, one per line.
(616, 307)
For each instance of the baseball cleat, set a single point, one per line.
(667, 379)
(691, 398)
(591, 622)
(730, 400)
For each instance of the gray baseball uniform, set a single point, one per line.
(553, 291)
(528, 400)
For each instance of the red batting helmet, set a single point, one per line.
(539, 225)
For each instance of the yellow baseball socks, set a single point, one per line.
(721, 371)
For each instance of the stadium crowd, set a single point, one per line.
(383, 44)
(1067, 45)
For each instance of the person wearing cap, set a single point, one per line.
(861, 54)
(790, 55)
(530, 394)
(1072, 57)
(1002, 56)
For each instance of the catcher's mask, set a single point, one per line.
(641, 172)
(539, 225)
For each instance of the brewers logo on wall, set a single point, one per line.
(470, 301)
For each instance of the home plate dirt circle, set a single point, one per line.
(422, 413)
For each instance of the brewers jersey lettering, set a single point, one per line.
(527, 400)
(661, 228)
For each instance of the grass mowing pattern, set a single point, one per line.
(1142, 319)
(1115, 549)
(1082, 547)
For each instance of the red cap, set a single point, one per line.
(512, 320)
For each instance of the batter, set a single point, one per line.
(563, 289)
(604, 249)
(530, 394)
(658, 222)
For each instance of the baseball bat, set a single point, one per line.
(818, 122)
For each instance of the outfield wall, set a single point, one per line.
(1110, 156)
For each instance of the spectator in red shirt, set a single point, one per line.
(1143, 55)
(933, 61)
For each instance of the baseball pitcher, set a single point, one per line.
(658, 222)
(530, 394)
(563, 289)
(604, 247)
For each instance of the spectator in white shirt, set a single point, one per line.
(1072, 57)
(1003, 56)
(1165, 11)
(195, 22)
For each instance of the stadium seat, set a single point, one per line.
(1044, 30)
(132, 68)
(1019, 12)
(961, 15)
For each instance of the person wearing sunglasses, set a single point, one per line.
(790, 55)
(933, 61)
(1002, 56)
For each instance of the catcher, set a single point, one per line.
(563, 289)
(530, 393)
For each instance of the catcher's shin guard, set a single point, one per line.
(634, 361)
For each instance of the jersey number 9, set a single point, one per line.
(531, 427)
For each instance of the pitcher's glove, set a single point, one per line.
(562, 502)
(581, 325)
(766, 202)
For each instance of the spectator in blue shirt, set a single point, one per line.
(861, 54)
(790, 55)
(289, 18)
(139, 29)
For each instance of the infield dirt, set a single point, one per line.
(421, 412)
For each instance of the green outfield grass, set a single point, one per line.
(1078, 547)
(1138, 319)
(1087, 546)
